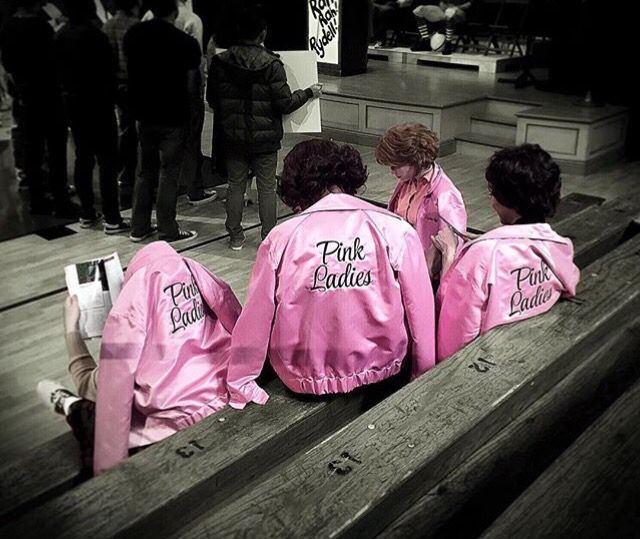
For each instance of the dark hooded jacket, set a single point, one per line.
(248, 91)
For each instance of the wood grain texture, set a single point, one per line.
(409, 443)
(40, 474)
(592, 490)
(161, 488)
(471, 497)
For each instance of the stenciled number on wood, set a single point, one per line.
(482, 365)
(188, 451)
(341, 465)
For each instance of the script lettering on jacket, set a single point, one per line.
(187, 305)
(350, 276)
(326, 13)
(528, 277)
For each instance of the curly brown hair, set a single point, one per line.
(314, 166)
(525, 178)
(408, 144)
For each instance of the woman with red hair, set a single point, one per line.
(424, 196)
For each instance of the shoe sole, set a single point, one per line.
(201, 202)
(113, 232)
(236, 248)
(138, 239)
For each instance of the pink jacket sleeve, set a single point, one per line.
(462, 298)
(122, 343)
(250, 340)
(417, 297)
(451, 207)
(218, 295)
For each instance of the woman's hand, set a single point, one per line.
(434, 262)
(446, 241)
(71, 314)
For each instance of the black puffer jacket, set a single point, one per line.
(248, 91)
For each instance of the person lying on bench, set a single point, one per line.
(339, 296)
(163, 358)
(512, 272)
(424, 196)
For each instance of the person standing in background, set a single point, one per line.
(26, 42)
(164, 79)
(191, 172)
(248, 91)
(127, 14)
(86, 70)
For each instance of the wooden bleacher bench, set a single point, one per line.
(592, 490)
(253, 470)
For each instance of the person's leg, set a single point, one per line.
(80, 414)
(143, 188)
(18, 142)
(106, 140)
(81, 417)
(34, 144)
(171, 145)
(264, 167)
(82, 122)
(237, 169)
(57, 136)
(128, 141)
(453, 17)
(191, 171)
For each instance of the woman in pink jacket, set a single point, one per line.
(337, 298)
(515, 271)
(424, 195)
(163, 358)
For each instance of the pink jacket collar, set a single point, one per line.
(343, 201)
(436, 177)
(538, 231)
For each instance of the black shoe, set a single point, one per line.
(90, 222)
(423, 45)
(182, 236)
(118, 228)
(137, 238)
(206, 196)
(41, 206)
(448, 48)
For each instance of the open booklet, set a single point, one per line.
(97, 284)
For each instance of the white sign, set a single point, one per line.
(324, 28)
(302, 71)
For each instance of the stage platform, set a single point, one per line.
(483, 63)
(472, 113)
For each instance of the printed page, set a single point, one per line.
(97, 284)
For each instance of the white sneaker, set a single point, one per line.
(55, 396)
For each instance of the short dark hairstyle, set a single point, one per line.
(163, 8)
(525, 178)
(80, 10)
(126, 5)
(314, 166)
(251, 20)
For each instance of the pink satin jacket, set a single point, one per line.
(164, 353)
(442, 205)
(511, 273)
(337, 299)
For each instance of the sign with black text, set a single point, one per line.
(324, 30)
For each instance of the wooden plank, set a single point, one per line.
(574, 203)
(195, 469)
(402, 448)
(601, 228)
(41, 474)
(592, 490)
(471, 497)
(216, 256)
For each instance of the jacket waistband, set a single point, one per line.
(339, 384)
